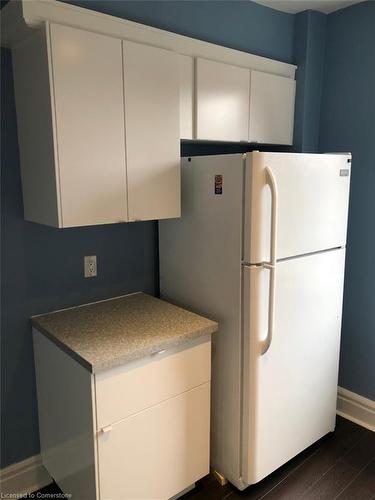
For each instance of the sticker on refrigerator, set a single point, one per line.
(218, 184)
(344, 172)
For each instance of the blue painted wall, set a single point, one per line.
(41, 266)
(127, 253)
(348, 124)
(239, 24)
(309, 53)
(42, 270)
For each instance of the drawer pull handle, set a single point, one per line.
(106, 429)
(159, 352)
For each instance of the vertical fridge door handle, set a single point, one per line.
(272, 264)
(271, 312)
(271, 181)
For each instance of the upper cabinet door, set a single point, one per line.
(222, 112)
(271, 108)
(89, 116)
(186, 96)
(152, 114)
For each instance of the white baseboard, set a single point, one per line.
(24, 477)
(356, 408)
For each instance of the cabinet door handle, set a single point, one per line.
(158, 352)
(106, 429)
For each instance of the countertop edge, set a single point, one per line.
(73, 354)
(144, 353)
(138, 354)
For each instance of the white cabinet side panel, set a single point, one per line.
(66, 425)
(186, 96)
(158, 452)
(291, 390)
(271, 108)
(200, 268)
(152, 114)
(88, 86)
(222, 101)
(35, 130)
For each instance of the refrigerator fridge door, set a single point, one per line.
(290, 391)
(310, 197)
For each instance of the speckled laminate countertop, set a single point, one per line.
(112, 332)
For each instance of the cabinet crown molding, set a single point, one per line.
(19, 18)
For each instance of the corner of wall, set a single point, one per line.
(309, 56)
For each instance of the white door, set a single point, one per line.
(290, 391)
(89, 114)
(271, 108)
(222, 112)
(310, 196)
(152, 118)
(158, 452)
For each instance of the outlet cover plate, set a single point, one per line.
(90, 266)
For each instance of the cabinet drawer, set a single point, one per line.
(128, 389)
(158, 452)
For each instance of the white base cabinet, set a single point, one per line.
(141, 430)
(157, 452)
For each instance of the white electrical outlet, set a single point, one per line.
(90, 266)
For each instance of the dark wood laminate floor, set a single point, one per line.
(340, 466)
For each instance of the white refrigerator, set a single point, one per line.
(260, 248)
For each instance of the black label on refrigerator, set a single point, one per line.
(218, 184)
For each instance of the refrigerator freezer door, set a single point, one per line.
(290, 391)
(312, 203)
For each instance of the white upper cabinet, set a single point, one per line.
(222, 101)
(100, 120)
(223, 113)
(186, 96)
(271, 108)
(99, 128)
(90, 136)
(152, 122)
(70, 116)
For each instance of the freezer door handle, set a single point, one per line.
(271, 181)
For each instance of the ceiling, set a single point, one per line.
(294, 6)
